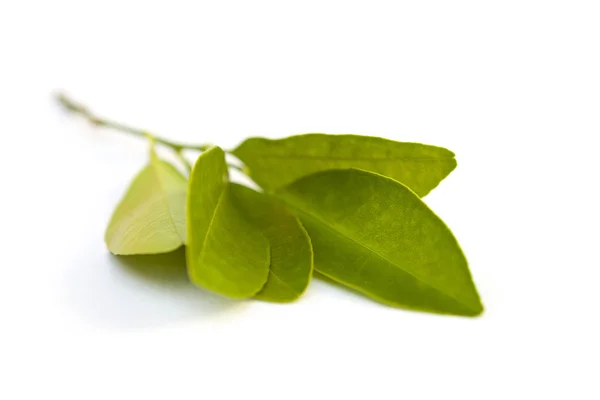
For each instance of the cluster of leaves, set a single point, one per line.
(348, 205)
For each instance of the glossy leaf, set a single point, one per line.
(276, 163)
(291, 252)
(375, 235)
(225, 253)
(151, 216)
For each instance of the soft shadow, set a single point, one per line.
(164, 270)
(346, 289)
(134, 292)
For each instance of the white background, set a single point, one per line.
(512, 87)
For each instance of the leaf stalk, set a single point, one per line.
(79, 109)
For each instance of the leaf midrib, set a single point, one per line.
(210, 224)
(291, 289)
(165, 197)
(345, 235)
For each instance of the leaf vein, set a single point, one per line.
(212, 219)
(329, 226)
(163, 193)
(284, 283)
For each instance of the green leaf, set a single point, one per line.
(375, 235)
(225, 253)
(276, 163)
(151, 217)
(291, 251)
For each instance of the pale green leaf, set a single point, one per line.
(276, 163)
(225, 253)
(375, 235)
(151, 216)
(291, 252)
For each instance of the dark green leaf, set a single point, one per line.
(151, 216)
(276, 163)
(291, 252)
(225, 253)
(375, 235)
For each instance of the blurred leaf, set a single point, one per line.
(225, 253)
(276, 163)
(150, 218)
(291, 252)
